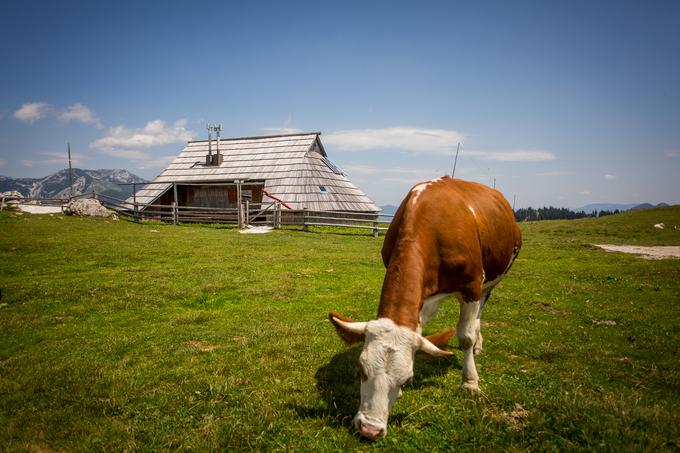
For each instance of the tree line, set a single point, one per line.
(552, 213)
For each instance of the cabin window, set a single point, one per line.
(322, 189)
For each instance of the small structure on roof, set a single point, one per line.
(293, 169)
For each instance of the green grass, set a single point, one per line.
(116, 335)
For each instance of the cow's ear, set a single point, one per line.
(348, 330)
(441, 339)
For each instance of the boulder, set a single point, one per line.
(87, 208)
(11, 195)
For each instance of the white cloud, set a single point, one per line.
(79, 112)
(54, 158)
(371, 170)
(3, 162)
(400, 175)
(553, 173)
(419, 140)
(512, 156)
(127, 154)
(282, 130)
(32, 111)
(609, 177)
(154, 133)
(424, 141)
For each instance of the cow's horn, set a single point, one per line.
(427, 347)
(354, 327)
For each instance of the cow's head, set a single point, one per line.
(385, 365)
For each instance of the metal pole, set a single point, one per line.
(174, 204)
(134, 201)
(70, 172)
(210, 128)
(238, 204)
(453, 173)
(218, 129)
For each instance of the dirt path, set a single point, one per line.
(648, 253)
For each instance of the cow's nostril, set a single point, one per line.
(369, 431)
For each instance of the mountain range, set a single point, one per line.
(104, 182)
(588, 209)
(611, 207)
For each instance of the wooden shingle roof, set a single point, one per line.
(294, 167)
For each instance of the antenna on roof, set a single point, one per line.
(453, 173)
(208, 158)
(218, 157)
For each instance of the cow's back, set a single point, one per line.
(466, 230)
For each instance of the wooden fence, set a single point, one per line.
(273, 214)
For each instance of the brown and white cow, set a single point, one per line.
(448, 237)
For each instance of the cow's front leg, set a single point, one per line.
(468, 330)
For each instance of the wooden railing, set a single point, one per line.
(273, 214)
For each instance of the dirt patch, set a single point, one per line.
(649, 253)
(517, 418)
(550, 309)
(202, 346)
(37, 209)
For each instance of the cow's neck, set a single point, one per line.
(403, 288)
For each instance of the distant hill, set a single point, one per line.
(590, 208)
(388, 209)
(56, 185)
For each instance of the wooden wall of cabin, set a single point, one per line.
(215, 196)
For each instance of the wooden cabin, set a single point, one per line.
(291, 168)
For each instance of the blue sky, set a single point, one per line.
(563, 103)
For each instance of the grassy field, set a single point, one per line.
(116, 335)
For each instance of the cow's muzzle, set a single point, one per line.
(369, 430)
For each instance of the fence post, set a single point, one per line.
(375, 229)
(305, 227)
(277, 215)
(94, 195)
(239, 204)
(2, 204)
(134, 204)
(174, 213)
(247, 216)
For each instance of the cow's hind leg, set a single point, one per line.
(479, 342)
(468, 332)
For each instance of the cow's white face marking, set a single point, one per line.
(386, 364)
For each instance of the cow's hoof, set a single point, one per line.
(471, 386)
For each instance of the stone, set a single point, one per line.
(87, 208)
